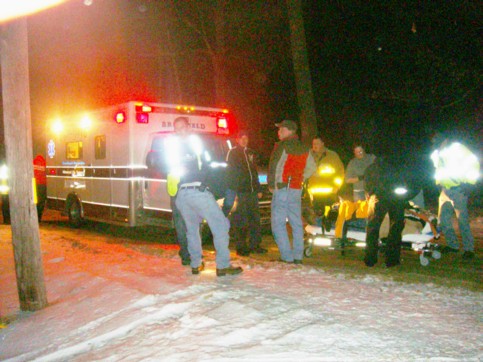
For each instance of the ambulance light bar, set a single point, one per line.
(142, 108)
(187, 109)
(120, 117)
(222, 125)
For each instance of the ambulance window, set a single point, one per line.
(100, 147)
(73, 150)
(156, 159)
(217, 147)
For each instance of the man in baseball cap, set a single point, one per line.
(288, 124)
(290, 164)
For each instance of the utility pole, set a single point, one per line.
(18, 141)
(303, 80)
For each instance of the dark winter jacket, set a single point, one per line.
(241, 172)
(384, 176)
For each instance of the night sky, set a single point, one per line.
(385, 73)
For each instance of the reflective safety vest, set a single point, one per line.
(173, 158)
(4, 180)
(455, 164)
(172, 184)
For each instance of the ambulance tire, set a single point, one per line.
(75, 214)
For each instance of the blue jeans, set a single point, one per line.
(455, 200)
(180, 228)
(287, 204)
(195, 206)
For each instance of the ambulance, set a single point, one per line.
(100, 163)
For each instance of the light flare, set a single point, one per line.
(19, 8)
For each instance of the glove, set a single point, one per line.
(361, 178)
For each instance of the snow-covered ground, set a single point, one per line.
(112, 303)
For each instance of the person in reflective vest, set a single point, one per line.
(191, 163)
(40, 183)
(457, 170)
(4, 189)
(181, 127)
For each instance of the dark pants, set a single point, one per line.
(41, 199)
(5, 209)
(377, 212)
(246, 220)
(228, 202)
(180, 228)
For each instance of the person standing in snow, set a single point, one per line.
(190, 165)
(456, 170)
(181, 128)
(242, 179)
(290, 165)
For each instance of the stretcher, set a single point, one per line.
(419, 234)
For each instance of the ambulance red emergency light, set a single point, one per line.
(99, 164)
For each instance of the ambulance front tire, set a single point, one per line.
(75, 214)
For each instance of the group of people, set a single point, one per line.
(384, 185)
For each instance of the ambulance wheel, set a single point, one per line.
(75, 214)
(308, 251)
(423, 260)
(436, 254)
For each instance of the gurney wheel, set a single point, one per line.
(423, 260)
(308, 251)
(436, 254)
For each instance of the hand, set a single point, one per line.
(259, 195)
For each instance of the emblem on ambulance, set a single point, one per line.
(51, 149)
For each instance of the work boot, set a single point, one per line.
(391, 263)
(370, 262)
(297, 261)
(231, 270)
(198, 269)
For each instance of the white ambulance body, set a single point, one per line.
(99, 168)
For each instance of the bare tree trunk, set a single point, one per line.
(218, 54)
(303, 81)
(168, 13)
(18, 139)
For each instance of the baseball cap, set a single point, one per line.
(291, 125)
